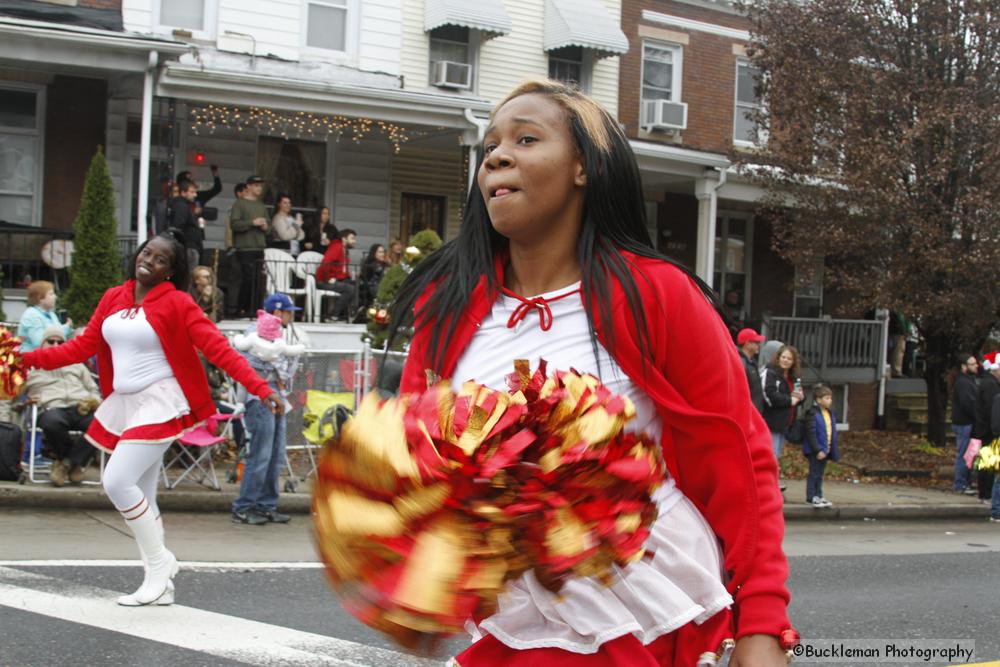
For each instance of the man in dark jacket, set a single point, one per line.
(963, 415)
(982, 431)
(203, 195)
(180, 216)
(749, 343)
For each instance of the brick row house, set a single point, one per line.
(685, 88)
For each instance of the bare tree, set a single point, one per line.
(882, 158)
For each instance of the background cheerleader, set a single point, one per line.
(146, 334)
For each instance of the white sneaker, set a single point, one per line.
(818, 502)
(826, 503)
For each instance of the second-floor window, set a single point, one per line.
(327, 25)
(568, 65)
(451, 57)
(745, 130)
(190, 15)
(661, 72)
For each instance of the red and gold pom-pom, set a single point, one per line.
(12, 371)
(426, 505)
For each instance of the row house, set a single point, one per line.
(373, 108)
(686, 87)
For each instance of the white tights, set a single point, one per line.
(132, 474)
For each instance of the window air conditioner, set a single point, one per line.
(452, 75)
(664, 115)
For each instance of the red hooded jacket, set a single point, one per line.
(715, 443)
(181, 327)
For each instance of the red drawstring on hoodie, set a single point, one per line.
(528, 305)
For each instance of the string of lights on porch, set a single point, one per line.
(212, 117)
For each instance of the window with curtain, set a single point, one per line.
(661, 69)
(744, 128)
(185, 14)
(295, 167)
(326, 25)
(20, 154)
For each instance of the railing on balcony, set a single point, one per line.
(827, 345)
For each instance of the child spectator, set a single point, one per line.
(257, 502)
(820, 444)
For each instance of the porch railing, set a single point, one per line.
(827, 343)
(21, 254)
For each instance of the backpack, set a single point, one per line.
(10, 452)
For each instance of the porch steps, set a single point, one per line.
(907, 411)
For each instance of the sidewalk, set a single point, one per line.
(851, 501)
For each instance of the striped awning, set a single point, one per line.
(586, 23)
(488, 16)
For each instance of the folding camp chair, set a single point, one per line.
(193, 451)
(33, 434)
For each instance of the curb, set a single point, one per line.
(891, 512)
(168, 499)
(45, 497)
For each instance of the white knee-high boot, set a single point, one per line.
(131, 600)
(161, 565)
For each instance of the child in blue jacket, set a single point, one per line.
(820, 444)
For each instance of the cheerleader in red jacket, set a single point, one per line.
(553, 261)
(146, 334)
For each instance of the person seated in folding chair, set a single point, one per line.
(66, 398)
(257, 502)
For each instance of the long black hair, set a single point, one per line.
(181, 277)
(614, 219)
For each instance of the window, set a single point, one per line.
(661, 71)
(451, 44)
(420, 212)
(326, 25)
(194, 16)
(808, 290)
(731, 275)
(745, 130)
(186, 14)
(20, 154)
(295, 167)
(569, 65)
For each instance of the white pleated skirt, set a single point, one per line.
(681, 582)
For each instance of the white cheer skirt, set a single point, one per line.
(682, 582)
(157, 414)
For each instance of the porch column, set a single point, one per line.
(144, 148)
(705, 191)
(473, 139)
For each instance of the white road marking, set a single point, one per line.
(206, 632)
(200, 565)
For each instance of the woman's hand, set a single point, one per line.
(821, 456)
(758, 651)
(275, 404)
(796, 399)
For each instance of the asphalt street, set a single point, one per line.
(255, 595)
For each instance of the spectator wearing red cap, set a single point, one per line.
(749, 342)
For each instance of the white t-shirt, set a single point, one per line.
(490, 356)
(136, 351)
